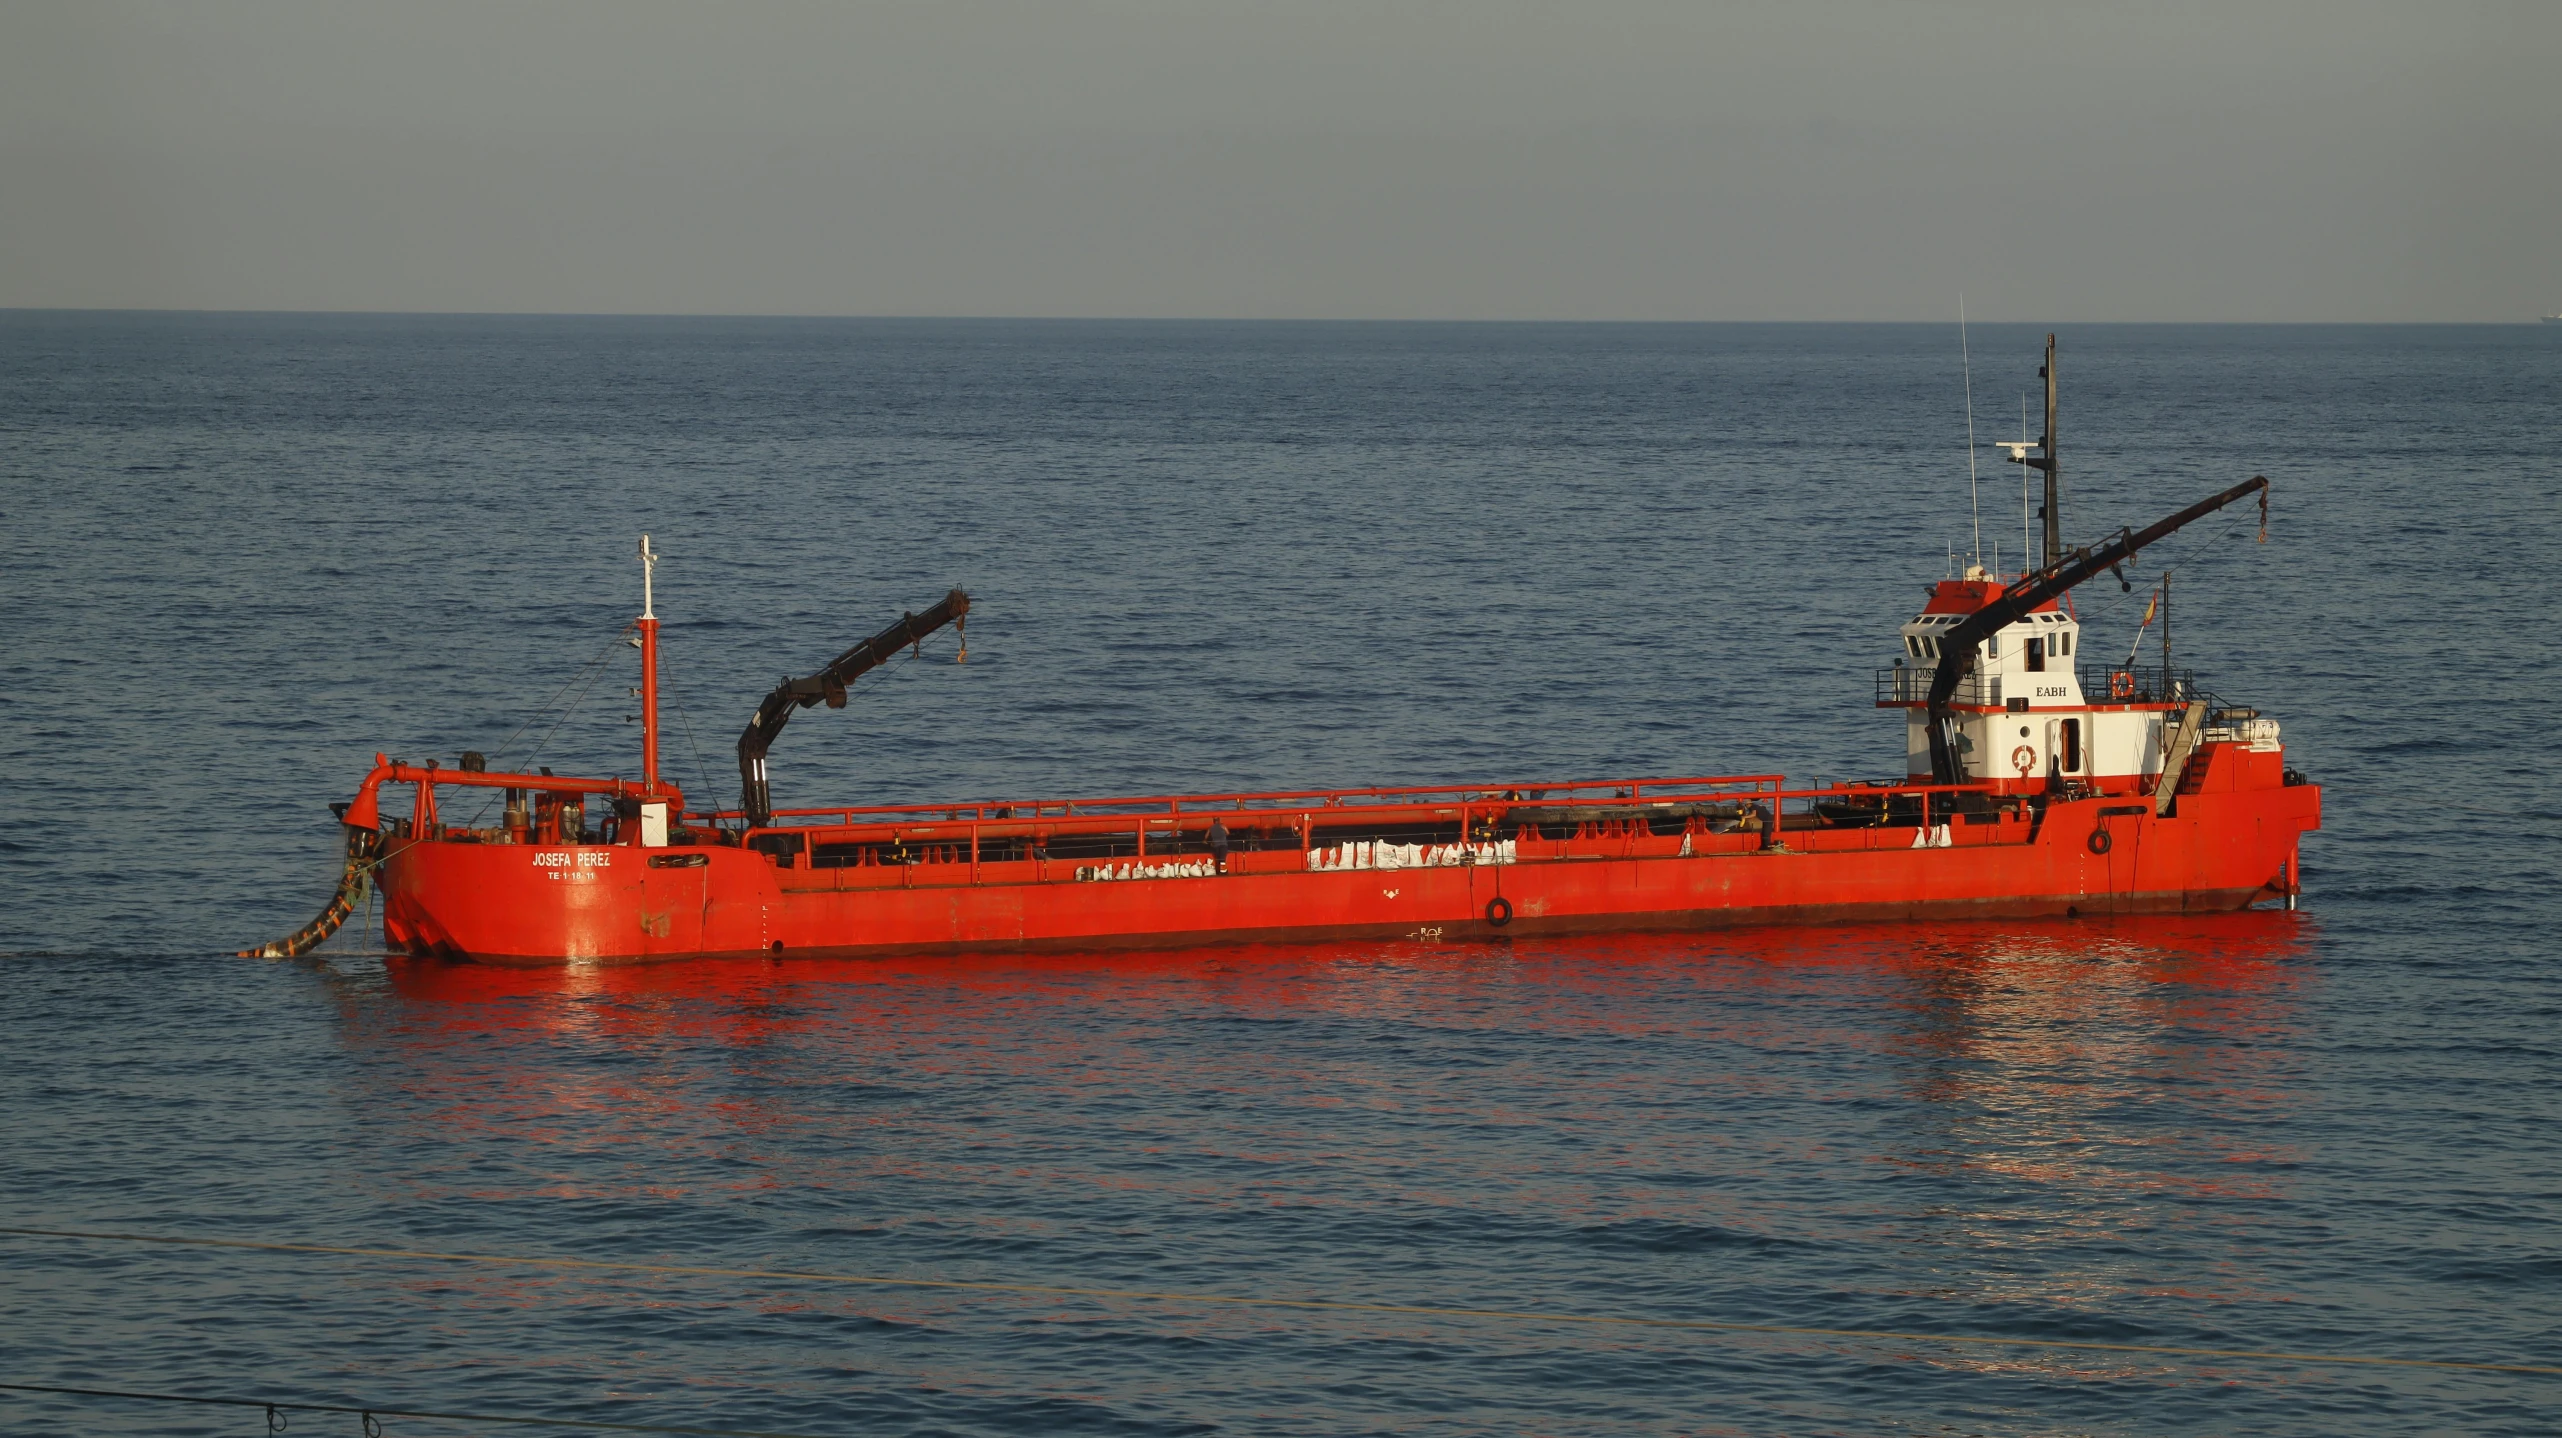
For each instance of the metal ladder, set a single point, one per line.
(2192, 722)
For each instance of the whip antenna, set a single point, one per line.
(1967, 361)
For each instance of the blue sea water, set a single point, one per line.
(244, 553)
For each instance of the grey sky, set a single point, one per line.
(2283, 161)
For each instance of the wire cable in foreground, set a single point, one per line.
(1321, 1305)
(282, 1405)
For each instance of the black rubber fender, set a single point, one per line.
(1498, 911)
(2100, 841)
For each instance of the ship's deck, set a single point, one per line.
(1420, 827)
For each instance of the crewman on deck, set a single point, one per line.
(1218, 845)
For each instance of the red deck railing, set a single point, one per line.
(1033, 840)
(1630, 791)
(1177, 821)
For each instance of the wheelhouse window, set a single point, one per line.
(2035, 654)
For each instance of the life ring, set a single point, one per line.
(2023, 758)
(2121, 685)
(1498, 911)
(2100, 841)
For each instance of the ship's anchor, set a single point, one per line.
(364, 850)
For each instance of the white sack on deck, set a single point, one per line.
(1383, 855)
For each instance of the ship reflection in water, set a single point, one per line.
(1862, 1126)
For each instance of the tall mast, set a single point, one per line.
(2054, 510)
(649, 668)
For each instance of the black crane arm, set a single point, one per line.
(1958, 647)
(828, 686)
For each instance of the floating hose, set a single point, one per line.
(364, 847)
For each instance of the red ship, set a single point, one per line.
(2033, 785)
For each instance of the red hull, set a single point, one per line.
(531, 904)
(2168, 803)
